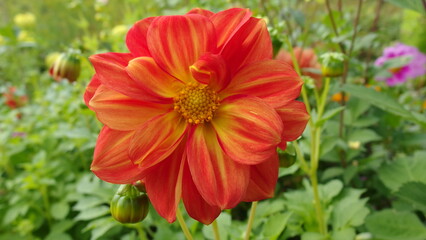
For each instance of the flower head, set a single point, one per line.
(307, 60)
(66, 66)
(196, 111)
(14, 99)
(415, 67)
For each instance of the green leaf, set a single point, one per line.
(344, 234)
(59, 210)
(276, 224)
(313, 236)
(382, 101)
(92, 213)
(413, 193)
(58, 235)
(329, 114)
(402, 170)
(392, 225)
(415, 5)
(223, 223)
(350, 210)
(363, 136)
(330, 190)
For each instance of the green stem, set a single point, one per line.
(251, 219)
(323, 98)
(318, 208)
(215, 230)
(45, 197)
(301, 158)
(141, 232)
(182, 223)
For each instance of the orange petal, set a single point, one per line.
(263, 178)
(204, 12)
(250, 43)
(154, 83)
(248, 129)
(195, 205)
(110, 69)
(120, 112)
(164, 184)
(157, 139)
(228, 22)
(294, 117)
(91, 89)
(136, 37)
(211, 69)
(220, 181)
(110, 161)
(274, 81)
(176, 42)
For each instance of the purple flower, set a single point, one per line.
(415, 67)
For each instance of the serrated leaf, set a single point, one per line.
(330, 190)
(403, 170)
(349, 211)
(392, 225)
(413, 193)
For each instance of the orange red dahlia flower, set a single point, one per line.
(307, 60)
(13, 100)
(196, 110)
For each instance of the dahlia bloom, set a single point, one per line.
(414, 68)
(307, 61)
(196, 111)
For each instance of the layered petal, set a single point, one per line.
(220, 181)
(176, 42)
(155, 84)
(294, 117)
(248, 129)
(110, 160)
(164, 184)
(250, 43)
(91, 89)
(120, 112)
(274, 81)
(211, 69)
(263, 178)
(157, 139)
(110, 69)
(136, 37)
(195, 205)
(228, 22)
(204, 12)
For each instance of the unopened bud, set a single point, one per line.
(332, 64)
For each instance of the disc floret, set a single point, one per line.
(197, 103)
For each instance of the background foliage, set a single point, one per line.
(372, 163)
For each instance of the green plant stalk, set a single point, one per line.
(300, 157)
(251, 219)
(182, 223)
(45, 197)
(216, 230)
(141, 232)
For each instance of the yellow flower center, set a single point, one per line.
(395, 70)
(197, 103)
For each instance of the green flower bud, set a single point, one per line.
(66, 65)
(129, 205)
(332, 64)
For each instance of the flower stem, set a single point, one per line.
(141, 232)
(182, 223)
(216, 230)
(251, 219)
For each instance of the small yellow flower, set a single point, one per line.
(424, 105)
(24, 20)
(354, 144)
